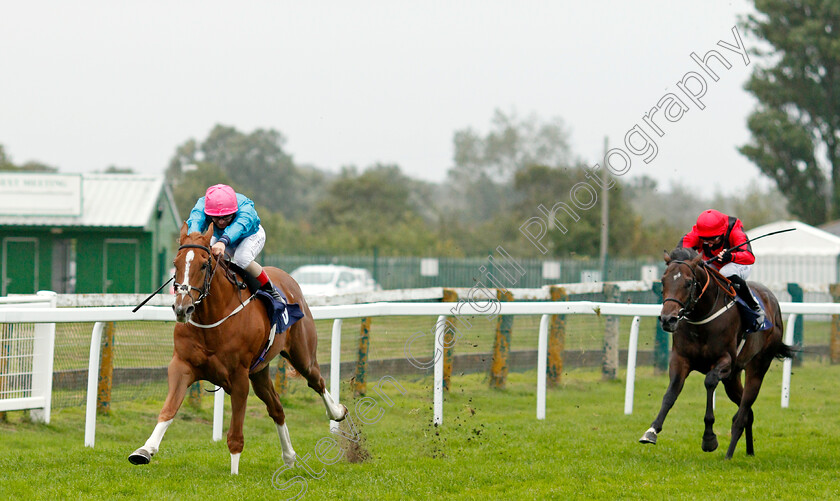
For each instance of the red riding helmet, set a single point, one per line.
(711, 223)
(220, 200)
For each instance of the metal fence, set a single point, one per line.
(416, 272)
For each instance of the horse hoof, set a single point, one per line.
(343, 414)
(341, 417)
(710, 445)
(649, 437)
(140, 456)
(289, 461)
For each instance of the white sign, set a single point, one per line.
(551, 270)
(32, 194)
(428, 267)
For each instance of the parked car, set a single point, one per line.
(330, 279)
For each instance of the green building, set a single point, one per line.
(85, 233)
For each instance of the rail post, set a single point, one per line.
(797, 295)
(501, 346)
(106, 370)
(5, 351)
(834, 344)
(449, 296)
(660, 340)
(194, 395)
(609, 368)
(556, 340)
(360, 384)
(281, 378)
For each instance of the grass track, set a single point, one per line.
(490, 447)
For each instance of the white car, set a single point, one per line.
(330, 279)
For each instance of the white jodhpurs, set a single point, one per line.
(742, 270)
(246, 250)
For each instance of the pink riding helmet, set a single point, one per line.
(220, 200)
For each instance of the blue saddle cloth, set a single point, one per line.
(282, 315)
(749, 317)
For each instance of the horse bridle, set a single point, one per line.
(688, 306)
(209, 271)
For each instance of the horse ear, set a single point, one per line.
(184, 231)
(209, 232)
(667, 257)
(697, 260)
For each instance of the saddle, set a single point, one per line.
(281, 315)
(749, 317)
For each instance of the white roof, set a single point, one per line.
(806, 240)
(111, 200)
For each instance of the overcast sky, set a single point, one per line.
(88, 84)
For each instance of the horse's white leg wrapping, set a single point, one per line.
(335, 411)
(234, 463)
(286, 445)
(153, 443)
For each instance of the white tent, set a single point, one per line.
(807, 256)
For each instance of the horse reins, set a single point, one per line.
(711, 274)
(205, 290)
(208, 277)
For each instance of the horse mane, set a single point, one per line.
(683, 254)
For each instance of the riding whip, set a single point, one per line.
(751, 240)
(152, 295)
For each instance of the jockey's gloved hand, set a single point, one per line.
(725, 256)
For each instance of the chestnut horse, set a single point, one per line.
(709, 337)
(216, 342)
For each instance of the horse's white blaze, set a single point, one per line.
(234, 463)
(286, 445)
(185, 283)
(678, 275)
(153, 443)
(334, 410)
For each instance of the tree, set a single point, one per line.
(377, 208)
(113, 169)
(193, 184)
(257, 163)
(796, 127)
(30, 166)
(580, 233)
(485, 165)
(5, 161)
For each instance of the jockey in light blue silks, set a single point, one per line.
(236, 230)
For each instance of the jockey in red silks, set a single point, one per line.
(236, 231)
(712, 236)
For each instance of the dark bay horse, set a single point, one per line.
(215, 346)
(708, 337)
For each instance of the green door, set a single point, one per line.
(121, 266)
(20, 265)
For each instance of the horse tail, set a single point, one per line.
(786, 351)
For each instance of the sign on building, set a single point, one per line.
(31, 194)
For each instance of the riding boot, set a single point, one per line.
(746, 294)
(269, 287)
(252, 282)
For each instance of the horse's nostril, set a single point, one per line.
(190, 309)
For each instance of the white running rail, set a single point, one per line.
(337, 313)
(26, 358)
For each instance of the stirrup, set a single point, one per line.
(272, 290)
(762, 316)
